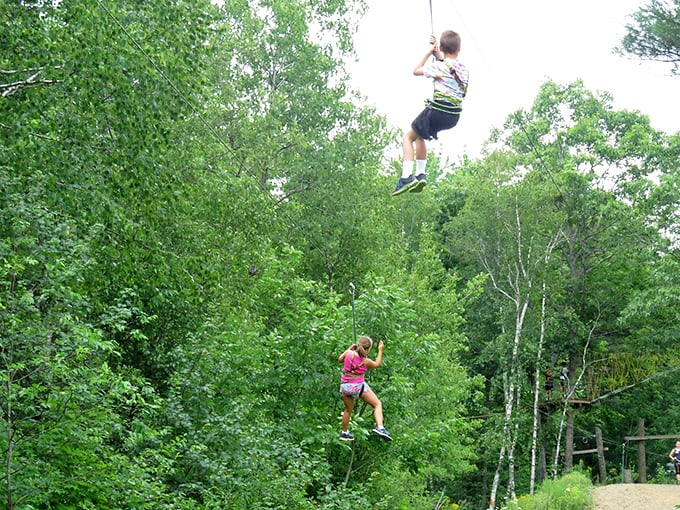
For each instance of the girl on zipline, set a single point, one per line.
(441, 112)
(355, 363)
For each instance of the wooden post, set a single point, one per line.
(569, 442)
(642, 439)
(642, 458)
(628, 476)
(600, 455)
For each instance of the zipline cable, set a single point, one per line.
(173, 86)
(522, 127)
(354, 328)
(352, 289)
(313, 243)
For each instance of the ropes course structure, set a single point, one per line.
(608, 375)
(605, 375)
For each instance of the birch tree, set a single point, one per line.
(539, 360)
(508, 225)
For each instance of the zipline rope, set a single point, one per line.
(522, 127)
(354, 320)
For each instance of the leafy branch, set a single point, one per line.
(34, 80)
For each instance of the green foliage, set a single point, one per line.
(663, 474)
(655, 34)
(65, 412)
(569, 492)
(186, 192)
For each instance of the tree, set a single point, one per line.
(508, 226)
(559, 200)
(655, 33)
(79, 157)
(282, 89)
(66, 415)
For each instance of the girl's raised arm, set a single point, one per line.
(378, 359)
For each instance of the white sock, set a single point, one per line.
(406, 169)
(420, 166)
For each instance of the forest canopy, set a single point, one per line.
(190, 238)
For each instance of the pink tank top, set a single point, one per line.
(354, 368)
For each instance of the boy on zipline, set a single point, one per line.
(441, 112)
(355, 363)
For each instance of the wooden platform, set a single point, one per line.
(578, 402)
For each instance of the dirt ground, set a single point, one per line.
(634, 496)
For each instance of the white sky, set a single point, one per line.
(510, 48)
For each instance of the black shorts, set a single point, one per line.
(435, 118)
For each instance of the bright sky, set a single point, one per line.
(510, 48)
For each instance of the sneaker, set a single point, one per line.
(346, 436)
(421, 181)
(382, 433)
(403, 185)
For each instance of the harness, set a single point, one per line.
(352, 367)
(353, 372)
(441, 104)
(461, 83)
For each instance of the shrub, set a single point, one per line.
(570, 492)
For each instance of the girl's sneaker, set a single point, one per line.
(346, 436)
(382, 432)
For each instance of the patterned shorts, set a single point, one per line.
(354, 389)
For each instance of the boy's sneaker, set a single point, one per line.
(403, 185)
(382, 433)
(421, 181)
(346, 436)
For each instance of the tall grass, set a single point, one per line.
(570, 492)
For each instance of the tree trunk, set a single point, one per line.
(512, 493)
(537, 389)
(569, 442)
(512, 389)
(568, 410)
(542, 462)
(496, 478)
